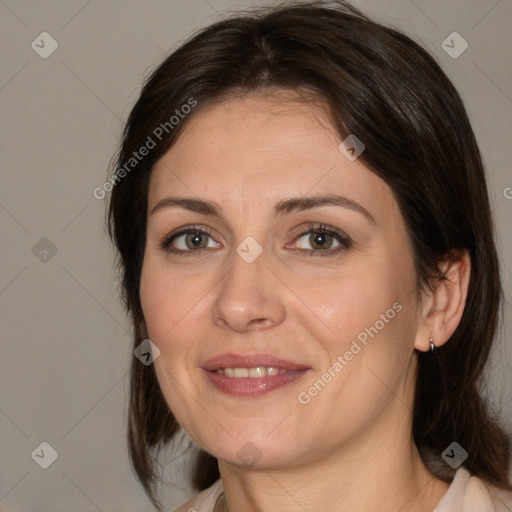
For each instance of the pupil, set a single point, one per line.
(196, 239)
(319, 239)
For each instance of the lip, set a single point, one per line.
(247, 386)
(250, 361)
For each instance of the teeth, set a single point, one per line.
(240, 372)
(253, 373)
(257, 372)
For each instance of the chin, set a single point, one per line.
(258, 451)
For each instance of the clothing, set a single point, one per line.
(465, 494)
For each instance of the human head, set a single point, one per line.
(374, 82)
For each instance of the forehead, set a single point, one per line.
(263, 148)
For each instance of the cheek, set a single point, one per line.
(167, 300)
(170, 305)
(364, 322)
(364, 368)
(354, 299)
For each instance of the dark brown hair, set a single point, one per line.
(374, 82)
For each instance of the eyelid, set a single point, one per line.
(319, 226)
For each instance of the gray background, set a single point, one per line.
(66, 348)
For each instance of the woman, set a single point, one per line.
(304, 232)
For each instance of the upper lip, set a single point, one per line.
(250, 361)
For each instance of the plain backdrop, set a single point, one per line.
(65, 346)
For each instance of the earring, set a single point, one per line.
(433, 346)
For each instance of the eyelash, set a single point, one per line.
(344, 240)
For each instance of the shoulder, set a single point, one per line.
(481, 497)
(204, 501)
(468, 493)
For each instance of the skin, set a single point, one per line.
(350, 448)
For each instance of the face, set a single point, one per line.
(312, 304)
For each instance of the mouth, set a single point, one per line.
(251, 375)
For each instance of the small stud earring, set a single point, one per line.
(433, 346)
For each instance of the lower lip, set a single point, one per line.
(248, 387)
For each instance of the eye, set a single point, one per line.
(187, 240)
(191, 240)
(321, 238)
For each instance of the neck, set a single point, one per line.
(385, 474)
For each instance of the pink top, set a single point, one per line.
(466, 494)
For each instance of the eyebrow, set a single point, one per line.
(213, 209)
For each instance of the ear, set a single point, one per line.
(442, 308)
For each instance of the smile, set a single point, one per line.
(253, 373)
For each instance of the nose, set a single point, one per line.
(249, 297)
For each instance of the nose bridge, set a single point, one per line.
(248, 290)
(246, 279)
